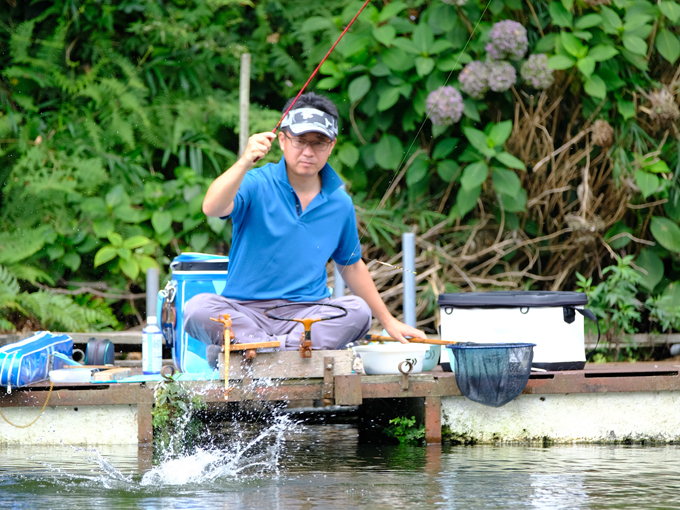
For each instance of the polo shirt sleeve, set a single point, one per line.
(348, 251)
(246, 194)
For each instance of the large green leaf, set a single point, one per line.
(136, 242)
(145, 262)
(635, 44)
(130, 268)
(104, 255)
(588, 21)
(161, 221)
(397, 59)
(560, 62)
(509, 160)
(466, 200)
(417, 171)
(423, 38)
(516, 203)
(115, 238)
(602, 52)
(388, 98)
(668, 45)
(391, 10)
(474, 175)
(500, 132)
(358, 88)
(389, 152)
(666, 232)
(573, 45)
(385, 34)
(658, 167)
(447, 170)
(586, 66)
(626, 109)
(506, 181)
(622, 241)
(349, 154)
(611, 21)
(424, 66)
(648, 183)
(671, 10)
(650, 262)
(444, 148)
(595, 86)
(560, 16)
(479, 141)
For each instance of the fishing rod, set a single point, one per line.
(317, 69)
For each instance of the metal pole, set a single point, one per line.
(339, 285)
(244, 103)
(152, 277)
(408, 247)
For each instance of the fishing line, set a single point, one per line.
(427, 116)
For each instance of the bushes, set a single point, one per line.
(117, 117)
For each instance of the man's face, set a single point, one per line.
(306, 154)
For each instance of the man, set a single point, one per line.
(289, 219)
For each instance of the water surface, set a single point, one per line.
(324, 467)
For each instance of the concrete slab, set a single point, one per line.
(570, 418)
(61, 425)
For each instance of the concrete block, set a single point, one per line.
(572, 418)
(83, 425)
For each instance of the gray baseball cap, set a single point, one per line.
(308, 120)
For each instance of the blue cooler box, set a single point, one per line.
(192, 274)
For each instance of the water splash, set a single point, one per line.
(239, 458)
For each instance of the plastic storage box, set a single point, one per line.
(192, 274)
(548, 319)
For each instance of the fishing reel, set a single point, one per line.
(306, 339)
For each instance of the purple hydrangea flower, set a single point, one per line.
(502, 76)
(474, 79)
(508, 40)
(459, 3)
(445, 105)
(535, 72)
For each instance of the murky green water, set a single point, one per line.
(324, 467)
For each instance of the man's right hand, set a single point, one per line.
(258, 147)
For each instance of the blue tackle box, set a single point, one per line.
(28, 360)
(192, 274)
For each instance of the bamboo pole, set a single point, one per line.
(244, 103)
(431, 341)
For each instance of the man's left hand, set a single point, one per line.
(399, 331)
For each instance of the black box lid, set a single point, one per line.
(513, 299)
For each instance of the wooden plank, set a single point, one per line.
(288, 364)
(348, 390)
(144, 424)
(111, 374)
(433, 420)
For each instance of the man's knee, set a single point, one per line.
(356, 307)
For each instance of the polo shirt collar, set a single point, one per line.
(330, 180)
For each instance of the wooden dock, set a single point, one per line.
(327, 380)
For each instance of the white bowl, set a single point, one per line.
(385, 358)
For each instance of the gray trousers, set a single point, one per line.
(250, 324)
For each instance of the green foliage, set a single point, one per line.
(115, 118)
(614, 300)
(405, 431)
(176, 426)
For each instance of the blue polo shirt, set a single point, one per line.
(280, 252)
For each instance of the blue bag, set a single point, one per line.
(192, 274)
(28, 361)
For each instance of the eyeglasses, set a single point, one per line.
(297, 143)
